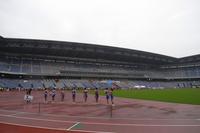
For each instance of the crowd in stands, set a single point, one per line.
(30, 66)
(75, 83)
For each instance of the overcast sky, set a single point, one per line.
(169, 27)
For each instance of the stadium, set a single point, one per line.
(99, 66)
(149, 89)
(27, 63)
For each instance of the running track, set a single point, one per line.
(181, 121)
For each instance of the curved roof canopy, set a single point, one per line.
(86, 51)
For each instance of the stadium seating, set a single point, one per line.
(71, 83)
(44, 67)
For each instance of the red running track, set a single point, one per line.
(138, 116)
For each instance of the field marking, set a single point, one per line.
(73, 126)
(91, 117)
(49, 128)
(90, 131)
(17, 113)
(108, 118)
(25, 125)
(99, 123)
(37, 119)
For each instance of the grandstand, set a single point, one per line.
(28, 63)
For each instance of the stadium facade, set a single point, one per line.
(41, 63)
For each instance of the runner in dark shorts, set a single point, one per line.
(96, 95)
(111, 95)
(45, 94)
(85, 94)
(107, 95)
(28, 95)
(62, 95)
(74, 94)
(53, 94)
(28, 91)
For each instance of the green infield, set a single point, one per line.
(187, 95)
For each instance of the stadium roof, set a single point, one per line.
(86, 51)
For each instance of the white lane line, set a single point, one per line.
(91, 117)
(99, 123)
(17, 113)
(73, 126)
(38, 119)
(89, 131)
(108, 118)
(25, 125)
(49, 128)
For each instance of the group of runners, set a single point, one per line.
(52, 93)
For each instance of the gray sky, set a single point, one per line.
(169, 27)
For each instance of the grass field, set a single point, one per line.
(187, 95)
